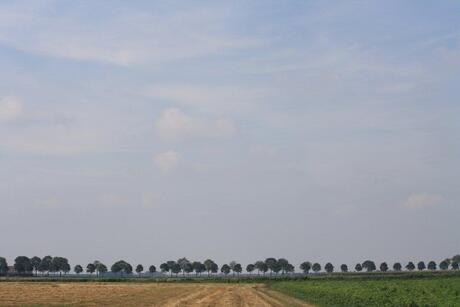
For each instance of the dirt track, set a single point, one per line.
(140, 294)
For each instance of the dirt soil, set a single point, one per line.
(141, 294)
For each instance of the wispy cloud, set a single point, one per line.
(167, 161)
(210, 98)
(422, 200)
(174, 125)
(124, 38)
(10, 109)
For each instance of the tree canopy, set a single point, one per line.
(139, 269)
(305, 266)
(329, 267)
(421, 266)
(316, 267)
(121, 266)
(383, 267)
(369, 265)
(410, 266)
(225, 269)
(3, 265)
(22, 264)
(78, 269)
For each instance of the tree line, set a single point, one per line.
(60, 265)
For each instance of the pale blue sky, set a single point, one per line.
(149, 131)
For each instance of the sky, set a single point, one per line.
(233, 130)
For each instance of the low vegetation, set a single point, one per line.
(429, 291)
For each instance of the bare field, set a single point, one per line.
(140, 294)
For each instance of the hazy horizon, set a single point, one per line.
(325, 131)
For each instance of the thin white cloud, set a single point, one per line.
(422, 200)
(167, 161)
(113, 200)
(209, 98)
(174, 124)
(49, 203)
(60, 130)
(10, 109)
(125, 38)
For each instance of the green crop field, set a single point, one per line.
(435, 291)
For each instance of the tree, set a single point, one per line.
(276, 268)
(329, 267)
(35, 262)
(22, 264)
(65, 267)
(250, 268)
(164, 267)
(290, 268)
(152, 269)
(421, 266)
(176, 269)
(383, 267)
(237, 269)
(344, 268)
(54, 266)
(214, 268)
(59, 264)
(96, 263)
(128, 268)
(455, 258)
(232, 265)
(305, 267)
(45, 264)
(397, 267)
(283, 265)
(316, 267)
(121, 267)
(100, 267)
(261, 267)
(198, 267)
(225, 269)
(271, 264)
(183, 263)
(211, 266)
(432, 265)
(455, 265)
(139, 269)
(447, 260)
(3, 266)
(410, 266)
(91, 268)
(188, 268)
(358, 267)
(78, 269)
(369, 265)
(444, 265)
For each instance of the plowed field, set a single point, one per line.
(141, 294)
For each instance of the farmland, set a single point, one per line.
(141, 294)
(376, 289)
(431, 291)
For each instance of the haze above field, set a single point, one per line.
(310, 130)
